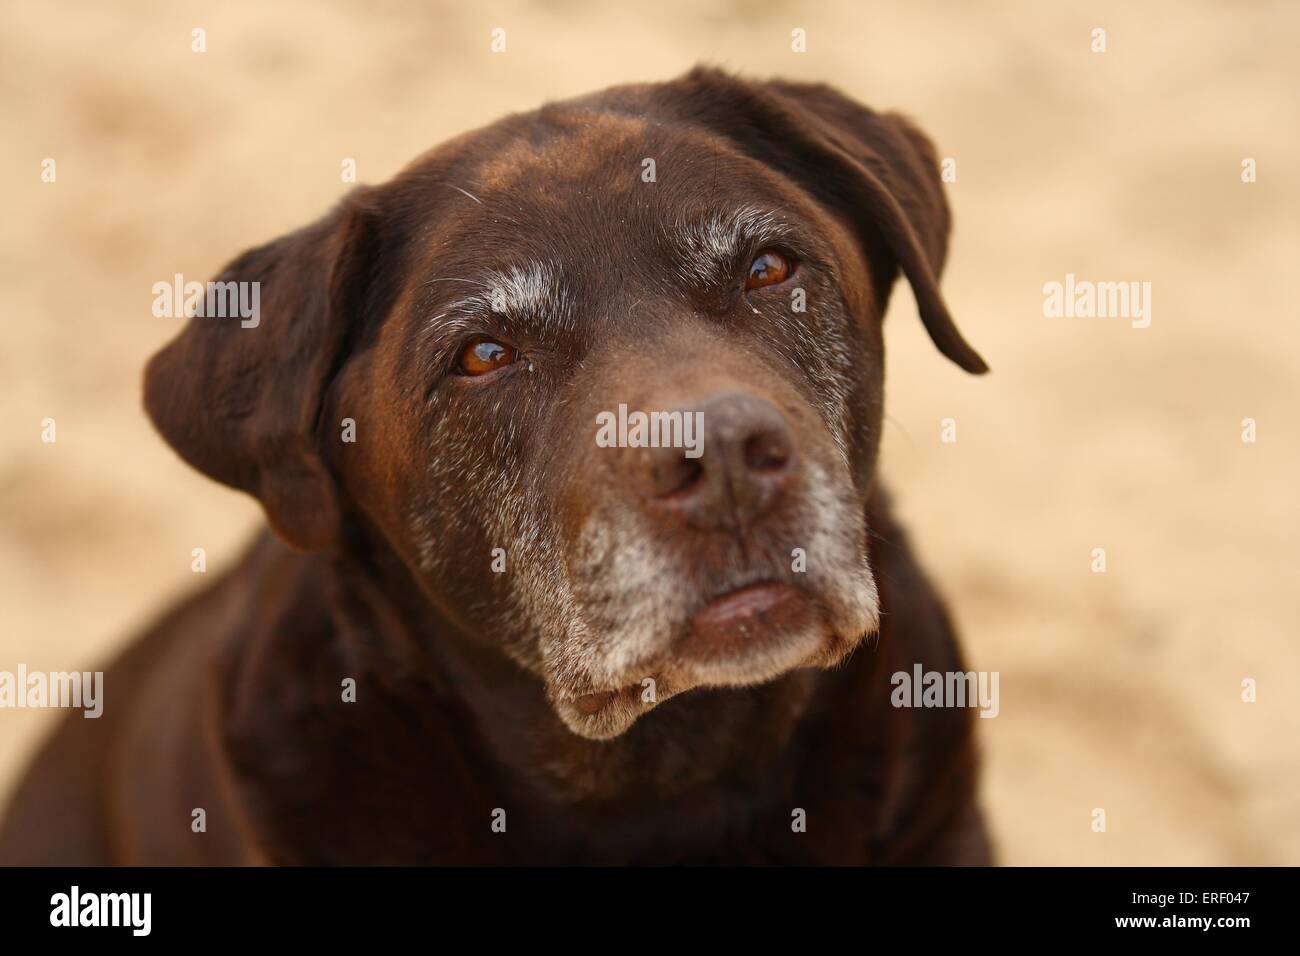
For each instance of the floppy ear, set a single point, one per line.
(876, 169)
(240, 399)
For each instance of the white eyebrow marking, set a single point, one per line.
(531, 294)
(532, 288)
(713, 244)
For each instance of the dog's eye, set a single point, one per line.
(769, 268)
(483, 355)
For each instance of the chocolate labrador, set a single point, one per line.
(567, 436)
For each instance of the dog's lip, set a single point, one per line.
(746, 620)
(745, 603)
(726, 622)
(727, 630)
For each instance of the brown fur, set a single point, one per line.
(475, 689)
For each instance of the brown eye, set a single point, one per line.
(768, 269)
(481, 356)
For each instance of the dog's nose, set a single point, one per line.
(746, 459)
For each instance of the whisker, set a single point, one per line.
(465, 192)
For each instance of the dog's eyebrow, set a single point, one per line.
(531, 295)
(712, 244)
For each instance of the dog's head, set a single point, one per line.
(606, 377)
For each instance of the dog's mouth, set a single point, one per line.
(655, 613)
(743, 621)
(742, 636)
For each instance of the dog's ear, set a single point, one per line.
(240, 398)
(876, 169)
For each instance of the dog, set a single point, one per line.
(477, 634)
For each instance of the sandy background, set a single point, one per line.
(1119, 690)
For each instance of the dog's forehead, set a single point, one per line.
(576, 198)
(572, 177)
(554, 150)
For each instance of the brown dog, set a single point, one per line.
(497, 627)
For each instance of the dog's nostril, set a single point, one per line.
(679, 477)
(767, 451)
(747, 459)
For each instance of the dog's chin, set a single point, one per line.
(744, 639)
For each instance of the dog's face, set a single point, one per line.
(614, 375)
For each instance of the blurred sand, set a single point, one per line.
(1120, 690)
